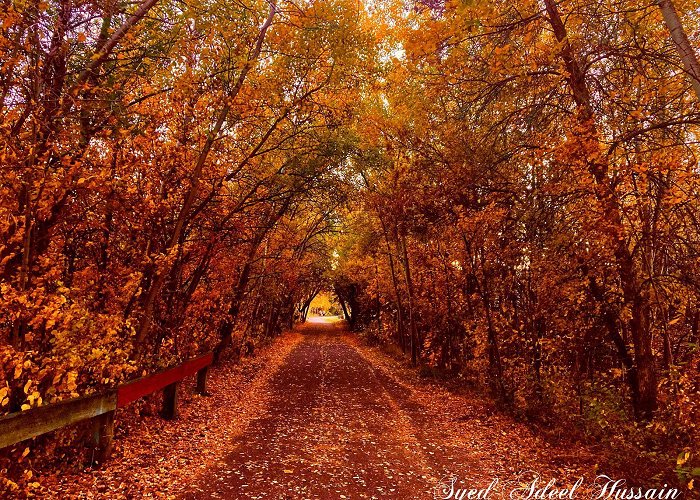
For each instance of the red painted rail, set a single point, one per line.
(151, 383)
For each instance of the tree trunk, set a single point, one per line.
(634, 299)
(226, 328)
(345, 310)
(411, 314)
(394, 281)
(680, 40)
(495, 365)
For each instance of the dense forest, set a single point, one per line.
(506, 191)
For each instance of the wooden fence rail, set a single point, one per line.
(22, 425)
(19, 426)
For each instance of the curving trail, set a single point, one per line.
(341, 423)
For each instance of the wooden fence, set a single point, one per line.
(19, 426)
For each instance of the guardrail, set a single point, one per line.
(101, 407)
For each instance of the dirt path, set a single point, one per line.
(342, 423)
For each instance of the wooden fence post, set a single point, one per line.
(169, 411)
(202, 381)
(102, 434)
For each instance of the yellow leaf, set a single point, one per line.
(70, 382)
(288, 471)
(25, 452)
(25, 407)
(691, 484)
(26, 386)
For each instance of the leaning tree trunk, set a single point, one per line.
(644, 370)
(680, 40)
(345, 310)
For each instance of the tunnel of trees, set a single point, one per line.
(505, 190)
